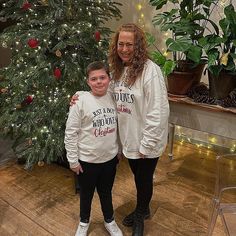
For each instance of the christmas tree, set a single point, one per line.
(52, 42)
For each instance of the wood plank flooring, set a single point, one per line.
(43, 201)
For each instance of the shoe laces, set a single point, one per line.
(113, 227)
(83, 228)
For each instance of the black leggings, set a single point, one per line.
(143, 170)
(100, 176)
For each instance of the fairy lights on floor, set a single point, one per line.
(203, 140)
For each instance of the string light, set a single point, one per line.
(165, 53)
(223, 3)
(212, 140)
(141, 8)
(185, 135)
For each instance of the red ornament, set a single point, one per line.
(33, 43)
(57, 73)
(97, 36)
(29, 99)
(26, 6)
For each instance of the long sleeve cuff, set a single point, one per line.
(74, 164)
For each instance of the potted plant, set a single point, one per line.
(220, 51)
(187, 21)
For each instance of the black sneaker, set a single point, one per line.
(128, 221)
(138, 225)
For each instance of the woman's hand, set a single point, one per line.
(73, 99)
(78, 169)
(142, 155)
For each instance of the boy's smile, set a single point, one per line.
(98, 81)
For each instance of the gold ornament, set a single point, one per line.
(3, 90)
(40, 163)
(58, 53)
(44, 2)
(18, 106)
(30, 142)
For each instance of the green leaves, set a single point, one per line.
(158, 58)
(181, 44)
(65, 34)
(185, 45)
(216, 46)
(166, 65)
(158, 3)
(187, 21)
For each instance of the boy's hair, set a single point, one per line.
(97, 65)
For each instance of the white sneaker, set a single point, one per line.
(82, 229)
(113, 229)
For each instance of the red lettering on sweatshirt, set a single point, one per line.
(103, 132)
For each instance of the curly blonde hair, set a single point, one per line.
(140, 54)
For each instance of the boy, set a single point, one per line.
(91, 145)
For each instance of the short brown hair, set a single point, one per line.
(97, 65)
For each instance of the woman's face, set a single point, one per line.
(125, 46)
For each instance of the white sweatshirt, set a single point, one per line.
(143, 112)
(91, 130)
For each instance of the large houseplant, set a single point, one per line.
(220, 51)
(187, 21)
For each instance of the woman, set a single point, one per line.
(142, 106)
(140, 94)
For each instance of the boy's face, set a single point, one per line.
(98, 81)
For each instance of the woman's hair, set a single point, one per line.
(140, 54)
(97, 65)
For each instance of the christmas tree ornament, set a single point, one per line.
(44, 2)
(30, 141)
(40, 163)
(57, 73)
(18, 106)
(26, 6)
(29, 99)
(51, 42)
(33, 43)
(58, 53)
(4, 45)
(97, 36)
(3, 90)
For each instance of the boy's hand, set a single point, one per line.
(73, 99)
(77, 169)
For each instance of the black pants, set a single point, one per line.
(100, 176)
(143, 170)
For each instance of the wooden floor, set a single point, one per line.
(42, 201)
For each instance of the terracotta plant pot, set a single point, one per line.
(221, 86)
(181, 82)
